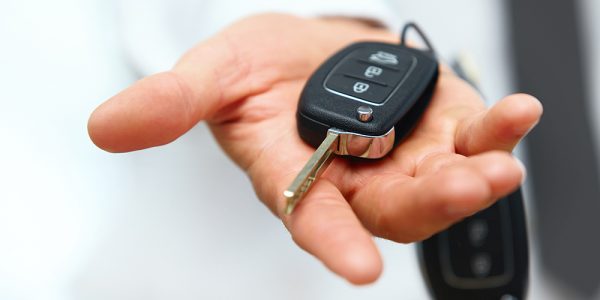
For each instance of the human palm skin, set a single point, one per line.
(245, 83)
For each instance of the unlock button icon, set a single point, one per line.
(373, 71)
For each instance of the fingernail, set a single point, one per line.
(523, 169)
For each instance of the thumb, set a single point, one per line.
(158, 109)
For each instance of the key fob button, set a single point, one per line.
(481, 265)
(477, 231)
(384, 58)
(358, 88)
(370, 72)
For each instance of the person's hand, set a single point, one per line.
(245, 82)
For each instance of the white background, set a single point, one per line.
(174, 222)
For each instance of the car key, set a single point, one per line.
(362, 102)
(484, 256)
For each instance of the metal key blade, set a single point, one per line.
(317, 163)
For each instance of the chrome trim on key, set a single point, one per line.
(364, 146)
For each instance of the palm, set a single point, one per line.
(246, 81)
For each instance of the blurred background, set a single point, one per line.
(182, 222)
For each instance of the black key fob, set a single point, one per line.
(370, 93)
(482, 257)
(361, 102)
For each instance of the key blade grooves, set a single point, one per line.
(317, 163)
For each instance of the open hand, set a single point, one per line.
(245, 82)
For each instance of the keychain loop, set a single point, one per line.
(421, 34)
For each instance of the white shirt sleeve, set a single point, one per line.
(157, 32)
